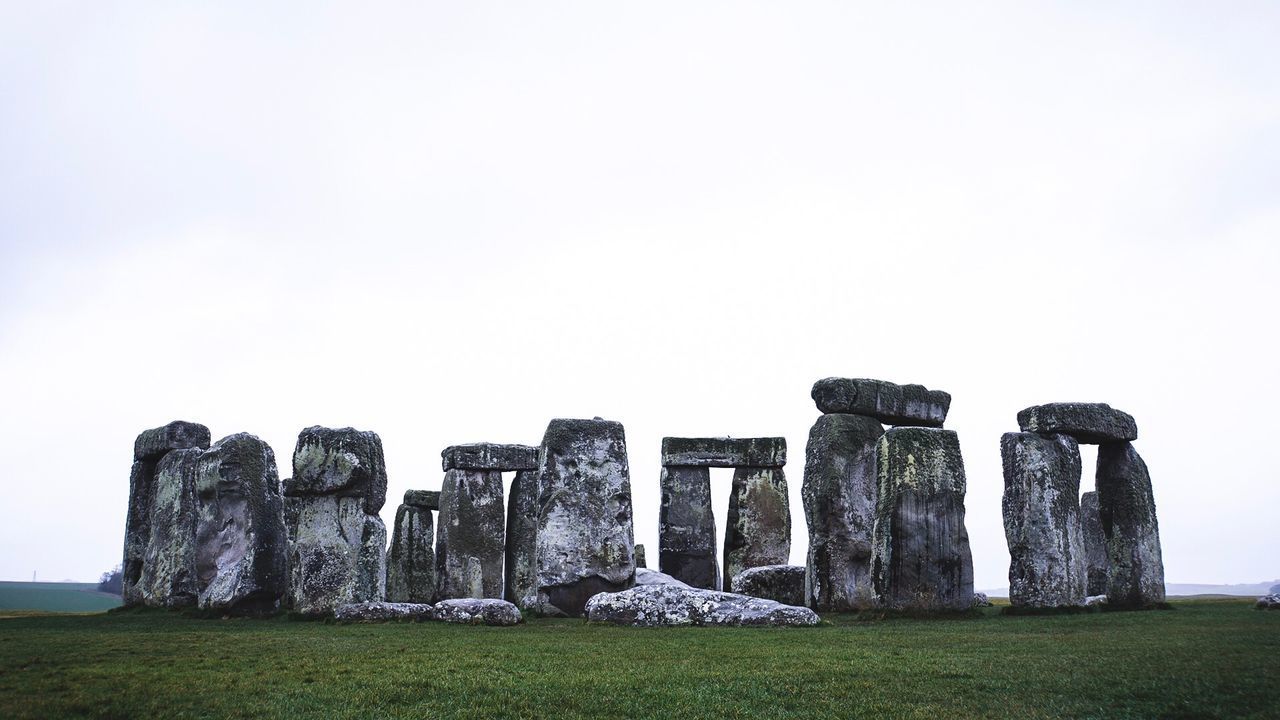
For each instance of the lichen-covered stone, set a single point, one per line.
(654, 605)
(980, 600)
(920, 551)
(425, 499)
(1091, 423)
(782, 583)
(411, 561)
(337, 553)
(489, 456)
(724, 452)
(1135, 575)
(758, 528)
(168, 576)
(645, 576)
(521, 582)
(687, 527)
(339, 462)
(839, 494)
(585, 533)
(241, 543)
(1042, 520)
(1095, 545)
(384, 611)
(177, 435)
(1268, 602)
(470, 541)
(890, 403)
(476, 611)
(640, 559)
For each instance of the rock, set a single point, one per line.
(168, 576)
(411, 561)
(1275, 590)
(687, 527)
(1095, 600)
(781, 583)
(645, 576)
(177, 435)
(1090, 423)
(758, 527)
(887, 402)
(1095, 545)
(666, 605)
(340, 463)
(475, 611)
(640, 560)
(585, 534)
(425, 499)
(489, 456)
(724, 452)
(1268, 602)
(241, 557)
(470, 542)
(521, 584)
(383, 611)
(839, 494)
(1135, 576)
(920, 552)
(336, 553)
(980, 600)
(1042, 520)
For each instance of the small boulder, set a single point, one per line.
(476, 611)
(669, 605)
(382, 611)
(781, 583)
(980, 600)
(1268, 602)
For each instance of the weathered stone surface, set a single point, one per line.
(1092, 423)
(890, 403)
(920, 552)
(489, 456)
(339, 462)
(1095, 545)
(521, 583)
(177, 435)
(168, 577)
(782, 583)
(1042, 520)
(1274, 590)
(645, 576)
(241, 556)
(470, 541)
(640, 559)
(980, 599)
(476, 611)
(337, 553)
(687, 528)
(411, 561)
(655, 605)
(585, 534)
(758, 528)
(1135, 575)
(1095, 600)
(383, 611)
(425, 499)
(1268, 602)
(839, 494)
(724, 452)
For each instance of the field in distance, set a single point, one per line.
(55, 597)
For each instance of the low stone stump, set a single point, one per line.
(687, 527)
(476, 611)
(890, 403)
(1135, 574)
(411, 560)
(781, 583)
(383, 611)
(668, 605)
(1089, 423)
(758, 528)
(1095, 545)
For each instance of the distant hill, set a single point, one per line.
(1180, 589)
(55, 597)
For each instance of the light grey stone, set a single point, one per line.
(1095, 545)
(758, 527)
(655, 605)
(890, 403)
(411, 560)
(169, 568)
(782, 583)
(1095, 600)
(1268, 602)
(476, 611)
(470, 541)
(337, 553)
(1092, 423)
(645, 576)
(724, 452)
(521, 580)
(340, 462)
(489, 456)
(1135, 574)
(383, 611)
(980, 600)
(687, 527)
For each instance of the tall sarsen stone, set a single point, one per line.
(758, 527)
(521, 581)
(470, 538)
(687, 527)
(411, 560)
(1042, 520)
(1095, 545)
(168, 576)
(1135, 576)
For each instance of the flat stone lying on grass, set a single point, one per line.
(645, 576)
(780, 583)
(890, 403)
(476, 611)
(1268, 602)
(489, 456)
(1089, 423)
(668, 605)
(724, 452)
(381, 611)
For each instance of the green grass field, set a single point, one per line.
(55, 597)
(1204, 659)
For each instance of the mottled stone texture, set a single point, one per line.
(686, 527)
(521, 583)
(470, 542)
(241, 542)
(656, 605)
(339, 463)
(585, 534)
(1042, 520)
(1091, 423)
(724, 452)
(890, 403)
(489, 456)
(1095, 545)
(782, 583)
(920, 552)
(383, 611)
(758, 528)
(640, 559)
(839, 494)
(411, 561)
(425, 499)
(169, 567)
(473, 611)
(1135, 577)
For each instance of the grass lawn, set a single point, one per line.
(55, 597)
(1204, 659)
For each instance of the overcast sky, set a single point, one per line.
(452, 223)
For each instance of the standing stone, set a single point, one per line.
(839, 494)
(640, 561)
(1095, 545)
(241, 544)
(411, 561)
(758, 528)
(920, 553)
(169, 567)
(1042, 520)
(470, 539)
(521, 587)
(687, 528)
(1135, 576)
(585, 534)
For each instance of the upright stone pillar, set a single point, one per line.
(687, 527)
(1128, 511)
(411, 561)
(920, 554)
(521, 587)
(169, 568)
(758, 528)
(1042, 520)
(1095, 545)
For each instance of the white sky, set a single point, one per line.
(452, 223)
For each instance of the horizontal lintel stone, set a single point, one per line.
(890, 403)
(1090, 423)
(724, 452)
(490, 456)
(429, 499)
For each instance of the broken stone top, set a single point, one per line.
(887, 402)
(1091, 423)
(427, 499)
(342, 462)
(489, 456)
(177, 435)
(724, 452)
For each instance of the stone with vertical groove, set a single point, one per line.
(1041, 510)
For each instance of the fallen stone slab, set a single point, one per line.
(341, 462)
(781, 583)
(668, 605)
(1089, 423)
(476, 611)
(890, 403)
(724, 452)
(687, 527)
(489, 456)
(470, 542)
(758, 527)
(425, 499)
(1135, 570)
(383, 611)
(1095, 545)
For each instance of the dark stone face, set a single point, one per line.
(687, 527)
(490, 456)
(425, 499)
(470, 539)
(780, 583)
(1128, 513)
(724, 452)
(521, 583)
(758, 526)
(1090, 423)
(411, 561)
(341, 463)
(890, 403)
(1095, 545)
(177, 435)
